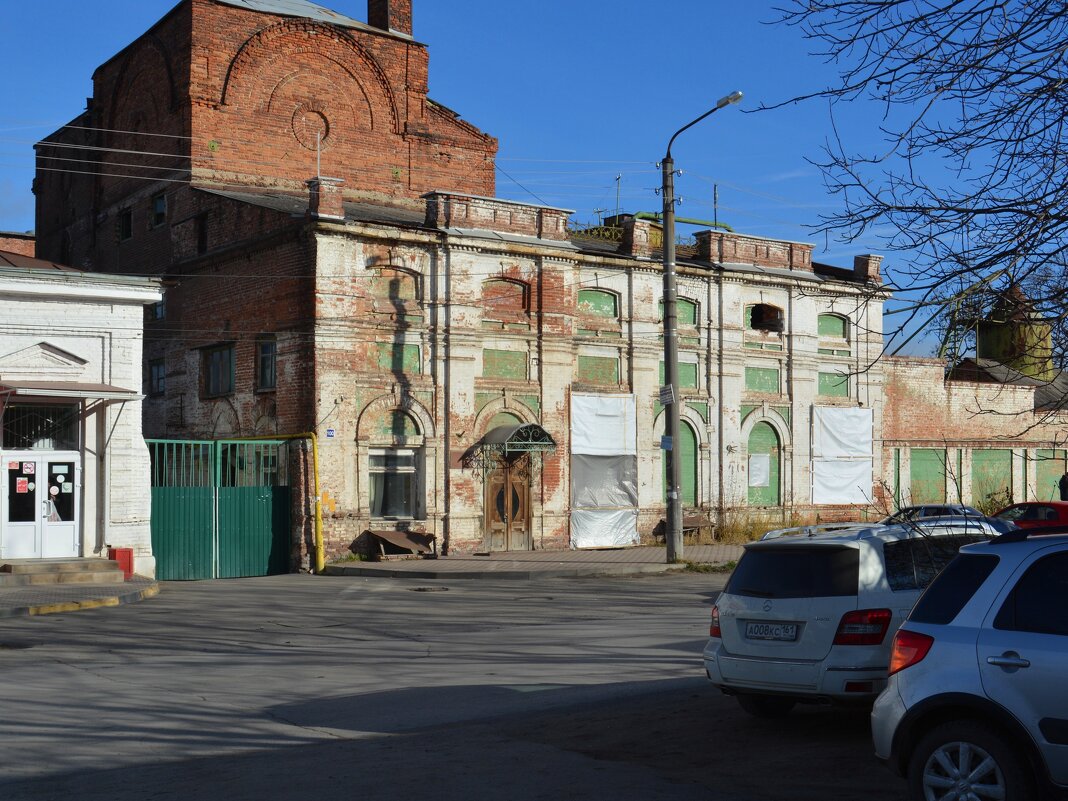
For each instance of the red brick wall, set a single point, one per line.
(23, 244)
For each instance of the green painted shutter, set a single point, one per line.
(688, 464)
(1051, 466)
(510, 365)
(831, 325)
(834, 385)
(763, 439)
(398, 358)
(762, 379)
(991, 475)
(927, 475)
(598, 370)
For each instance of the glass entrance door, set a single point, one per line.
(40, 508)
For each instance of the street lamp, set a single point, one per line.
(670, 392)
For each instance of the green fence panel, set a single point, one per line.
(249, 542)
(182, 536)
(219, 509)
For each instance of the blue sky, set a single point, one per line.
(576, 92)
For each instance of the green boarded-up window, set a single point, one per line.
(687, 375)
(685, 310)
(831, 325)
(764, 446)
(991, 476)
(834, 385)
(396, 423)
(688, 464)
(598, 370)
(398, 358)
(598, 303)
(507, 364)
(927, 475)
(762, 379)
(1051, 466)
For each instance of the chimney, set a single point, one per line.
(866, 268)
(324, 202)
(639, 238)
(390, 15)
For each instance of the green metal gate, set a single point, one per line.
(219, 509)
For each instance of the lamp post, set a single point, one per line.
(670, 392)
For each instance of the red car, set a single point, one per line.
(1035, 514)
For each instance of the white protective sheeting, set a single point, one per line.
(603, 425)
(841, 432)
(841, 481)
(760, 470)
(604, 481)
(603, 528)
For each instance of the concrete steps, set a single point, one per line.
(37, 572)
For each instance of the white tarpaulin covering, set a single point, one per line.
(603, 528)
(841, 481)
(604, 471)
(841, 432)
(603, 425)
(760, 470)
(604, 481)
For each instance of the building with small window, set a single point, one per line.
(472, 368)
(75, 467)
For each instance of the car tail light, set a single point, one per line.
(910, 647)
(714, 630)
(863, 627)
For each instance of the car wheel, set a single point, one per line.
(766, 706)
(966, 759)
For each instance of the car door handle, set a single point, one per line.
(1009, 659)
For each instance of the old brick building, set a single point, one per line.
(472, 369)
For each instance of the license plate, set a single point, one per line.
(786, 632)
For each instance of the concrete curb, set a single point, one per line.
(78, 605)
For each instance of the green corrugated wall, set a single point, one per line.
(991, 473)
(927, 476)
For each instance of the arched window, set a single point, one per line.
(396, 473)
(599, 303)
(764, 317)
(834, 335)
(503, 298)
(765, 455)
(686, 311)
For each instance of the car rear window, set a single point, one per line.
(953, 587)
(796, 572)
(912, 564)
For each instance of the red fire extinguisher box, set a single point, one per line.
(124, 556)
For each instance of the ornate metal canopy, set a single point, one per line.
(509, 444)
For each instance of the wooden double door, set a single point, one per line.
(507, 509)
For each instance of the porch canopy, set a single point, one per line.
(509, 442)
(74, 390)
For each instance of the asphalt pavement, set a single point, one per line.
(521, 566)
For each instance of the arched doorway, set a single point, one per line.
(765, 458)
(507, 499)
(688, 465)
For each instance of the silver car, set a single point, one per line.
(808, 614)
(976, 706)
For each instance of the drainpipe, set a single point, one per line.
(320, 550)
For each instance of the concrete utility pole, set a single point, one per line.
(669, 393)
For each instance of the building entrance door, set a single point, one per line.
(508, 509)
(39, 515)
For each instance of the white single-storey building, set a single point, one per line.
(75, 466)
